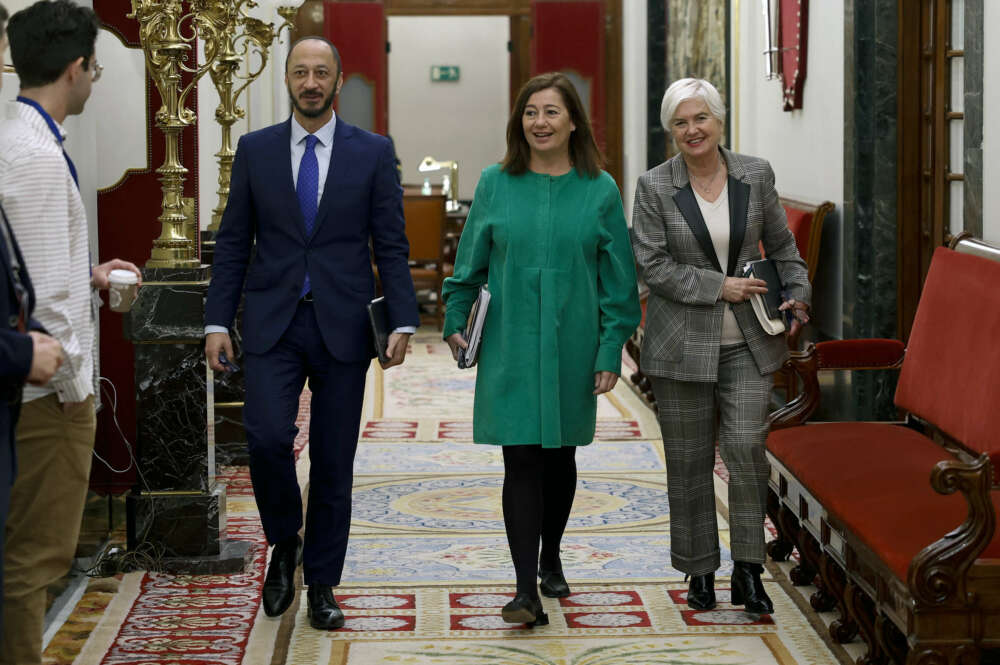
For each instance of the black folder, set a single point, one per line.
(473, 334)
(378, 314)
(766, 305)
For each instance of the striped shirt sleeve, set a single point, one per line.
(37, 202)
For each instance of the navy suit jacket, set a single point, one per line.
(16, 350)
(360, 212)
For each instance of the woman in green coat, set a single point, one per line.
(547, 232)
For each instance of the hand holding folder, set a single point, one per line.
(766, 306)
(385, 339)
(473, 334)
(378, 314)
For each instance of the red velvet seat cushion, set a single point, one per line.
(800, 224)
(875, 479)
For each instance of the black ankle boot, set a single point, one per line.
(525, 609)
(748, 590)
(553, 584)
(701, 592)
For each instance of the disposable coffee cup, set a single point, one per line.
(121, 294)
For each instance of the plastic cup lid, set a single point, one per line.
(123, 277)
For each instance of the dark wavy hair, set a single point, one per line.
(48, 36)
(583, 151)
(3, 18)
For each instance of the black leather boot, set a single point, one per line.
(701, 592)
(748, 590)
(552, 584)
(525, 609)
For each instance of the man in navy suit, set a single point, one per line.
(26, 352)
(318, 197)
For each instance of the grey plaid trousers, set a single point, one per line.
(693, 415)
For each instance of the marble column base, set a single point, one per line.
(186, 528)
(235, 557)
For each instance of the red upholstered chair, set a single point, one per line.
(805, 221)
(913, 566)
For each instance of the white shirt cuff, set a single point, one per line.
(409, 330)
(215, 329)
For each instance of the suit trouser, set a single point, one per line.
(6, 480)
(274, 381)
(54, 450)
(693, 415)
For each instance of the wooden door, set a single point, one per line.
(568, 37)
(929, 135)
(359, 31)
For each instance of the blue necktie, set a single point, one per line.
(307, 189)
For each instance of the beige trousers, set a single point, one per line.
(54, 449)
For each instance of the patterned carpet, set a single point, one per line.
(428, 566)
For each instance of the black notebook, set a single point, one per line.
(378, 314)
(474, 330)
(766, 305)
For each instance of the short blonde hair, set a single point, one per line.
(682, 90)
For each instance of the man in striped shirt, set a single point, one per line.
(26, 352)
(52, 46)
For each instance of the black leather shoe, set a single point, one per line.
(279, 585)
(525, 609)
(553, 584)
(324, 613)
(748, 590)
(701, 592)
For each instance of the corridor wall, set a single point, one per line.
(806, 146)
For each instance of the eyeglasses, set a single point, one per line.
(96, 74)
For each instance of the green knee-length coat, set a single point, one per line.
(555, 251)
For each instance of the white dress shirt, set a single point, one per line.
(323, 149)
(47, 215)
(324, 152)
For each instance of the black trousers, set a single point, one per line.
(538, 489)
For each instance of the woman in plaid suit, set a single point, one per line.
(698, 219)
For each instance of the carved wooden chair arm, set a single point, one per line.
(937, 574)
(848, 354)
(860, 354)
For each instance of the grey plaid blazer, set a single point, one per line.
(677, 260)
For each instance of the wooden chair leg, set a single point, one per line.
(781, 547)
(892, 641)
(862, 610)
(845, 628)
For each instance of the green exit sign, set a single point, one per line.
(444, 72)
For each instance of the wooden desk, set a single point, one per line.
(454, 221)
(426, 232)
